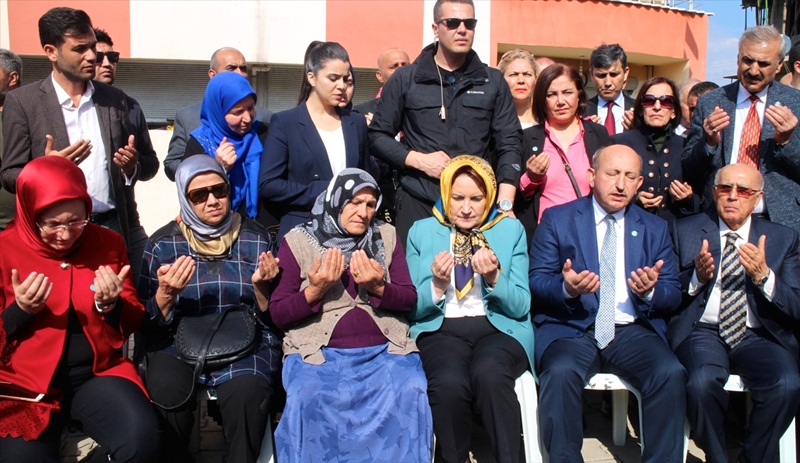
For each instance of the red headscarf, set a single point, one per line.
(43, 182)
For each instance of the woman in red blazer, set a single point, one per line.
(67, 305)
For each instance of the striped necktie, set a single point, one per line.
(751, 134)
(733, 300)
(604, 321)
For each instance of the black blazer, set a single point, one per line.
(296, 169)
(783, 258)
(659, 169)
(527, 208)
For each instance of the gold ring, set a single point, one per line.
(355, 274)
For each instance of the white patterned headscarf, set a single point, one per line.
(325, 226)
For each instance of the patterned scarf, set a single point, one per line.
(467, 242)
(325, 227)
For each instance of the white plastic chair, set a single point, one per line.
(526, 394)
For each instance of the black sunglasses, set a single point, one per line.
(113, 56)
(453, 23)
(667, 101)
(741, 191)
(200, 195)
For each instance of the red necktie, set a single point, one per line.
(611, 125)
(751, 133)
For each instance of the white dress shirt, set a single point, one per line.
(82, 124)
(624, 312)
(471, 305)
(618, 110)
(334, 145)
(711, 313)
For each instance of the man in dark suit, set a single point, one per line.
(751, 121)
(68, 115)
(740, 276)
(603, 279)
(608, 67)
(10, 79)
(105, 67)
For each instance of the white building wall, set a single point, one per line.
(275, 31)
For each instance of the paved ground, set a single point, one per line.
(597, 445)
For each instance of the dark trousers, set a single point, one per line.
(468, 361)
(636, 355)
(243, 402)
(770, 373)
(112, 411)
(409, 210)
(137, 239)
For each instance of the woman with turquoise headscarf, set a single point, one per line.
(230, 133)
(469, 263)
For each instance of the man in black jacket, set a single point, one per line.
(446, 103)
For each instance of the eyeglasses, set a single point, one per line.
(200, 195)
(113, 56)
(52, 230)
(667, 101)
(741, 191)
(453, 23)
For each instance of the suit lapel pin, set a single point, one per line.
(634, 233)
(535, 149)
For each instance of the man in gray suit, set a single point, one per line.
(68, 115)
(10, 79)
(751, 121)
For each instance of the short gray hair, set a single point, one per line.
(763, 34)
(760, 177)
(10, 61)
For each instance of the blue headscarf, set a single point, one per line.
(224, 90)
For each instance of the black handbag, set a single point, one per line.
(210, 342)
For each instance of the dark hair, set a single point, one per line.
(103, 37)
(470, 172)
(58, 23)
(638, 107)
(543, 82)
(605, 56)
(437, 7)
(702, 88)
(794, 56)
(317, 55)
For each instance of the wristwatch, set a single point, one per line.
(505, 205)
(762, 281)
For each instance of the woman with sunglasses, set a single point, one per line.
(655, 116)
(67, 305)
(207, 260)
(309, 145)
(520, 71)
(557, 152)
(355, 388)
(231, 134)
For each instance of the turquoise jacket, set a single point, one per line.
(507, 305)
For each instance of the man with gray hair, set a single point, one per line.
(225, 59)
(751, 121)
(10, 78)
